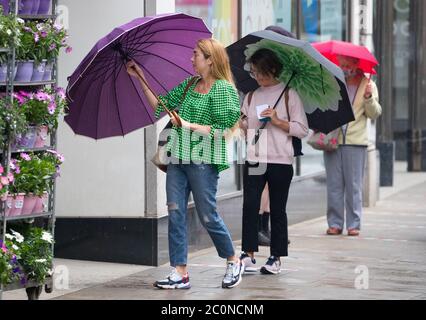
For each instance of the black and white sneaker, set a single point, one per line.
(249, 264)
(174, 281)
(272, 266)
(233, 274)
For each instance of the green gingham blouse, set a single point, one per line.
(219, 109)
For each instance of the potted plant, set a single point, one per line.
(10, 35)
(33, 252)
(26, 53)
(43, 107)
(53, 38)
(10, 270)
(35, 179)
(12, 121)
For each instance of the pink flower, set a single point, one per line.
(51, 108)
(1, 169)
(60, 157)
(36, 37)
(20, 98)
(25, 156)
(4, 181)
(68, 50)
(10, 177)
(25, 94)
(333, 141)
(322, 136)
(42, 96)
(57, 27)
(61, 93)
(3, 248)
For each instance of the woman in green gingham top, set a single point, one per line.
(210, 107)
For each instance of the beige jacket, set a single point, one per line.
(363, 109)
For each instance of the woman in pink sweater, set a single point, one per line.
(270, 159)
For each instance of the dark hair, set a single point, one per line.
(266, 62)
(281, 31)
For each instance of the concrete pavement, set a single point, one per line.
(388, 261)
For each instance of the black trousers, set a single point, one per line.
(278, 177)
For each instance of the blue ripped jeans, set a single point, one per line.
(202, 180)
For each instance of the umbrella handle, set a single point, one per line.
(170, 113)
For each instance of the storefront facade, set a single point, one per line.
(119, 213)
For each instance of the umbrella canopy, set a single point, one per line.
(320, 83)
(332, 49)
(105, 100)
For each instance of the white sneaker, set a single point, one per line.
(233, 274)
(249, 264)
(272, 266)
(174, 281)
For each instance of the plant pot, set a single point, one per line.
(17, 205)
(35, 7)
(41, 204)
(44, 6)
(42, 133)
(25, 6)
(3, 72)
(28, 139)
(38, 71)
(9, 204)
(30, 201)
(24, 71)
(5, 4)
(48, 71)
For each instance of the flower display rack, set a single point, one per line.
(46, 217)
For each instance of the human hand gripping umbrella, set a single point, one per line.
(320, 84)
(104, 99)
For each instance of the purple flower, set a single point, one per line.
(25, 94)
(42, 96)
(36, 37)
(68, 49)
(51, 108)
(24, 281)
(43, 34)
(57, 27)
(52, 47)
(20, 98)
(17, 270)
(25, 156)
(61, 93)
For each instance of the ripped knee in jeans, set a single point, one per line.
(172, 206)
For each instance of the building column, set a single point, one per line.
(384, 50)
(361, 32)
(416, 147)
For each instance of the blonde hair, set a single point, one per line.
(213, 49)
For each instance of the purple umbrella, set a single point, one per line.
(105, 101)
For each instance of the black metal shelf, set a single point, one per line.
(19, 150)
(25, 217)
(30, 84)
(37, 16)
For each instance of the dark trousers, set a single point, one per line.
(278, 177)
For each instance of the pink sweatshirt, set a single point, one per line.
(274, 145)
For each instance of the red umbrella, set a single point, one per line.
(332, 49)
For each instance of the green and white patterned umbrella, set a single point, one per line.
(320, 83)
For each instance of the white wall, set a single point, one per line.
(105, 177)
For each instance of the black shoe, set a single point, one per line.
(263, 239)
